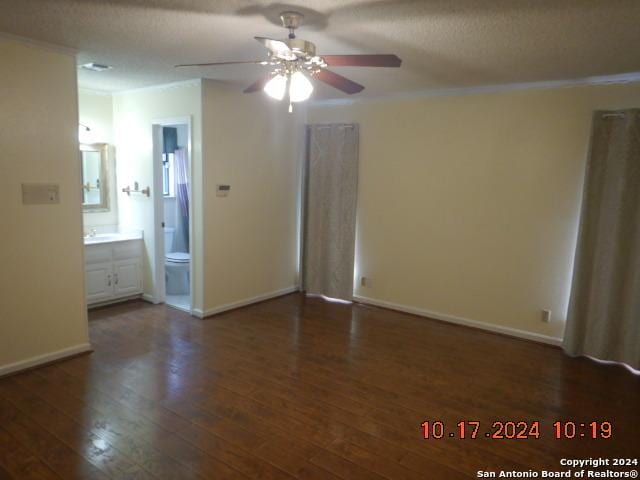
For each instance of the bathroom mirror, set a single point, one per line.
(95, 188)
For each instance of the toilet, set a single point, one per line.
(176, 266)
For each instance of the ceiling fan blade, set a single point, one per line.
(277, 48)
(255, 62)
(338, 81)
(258, 84)
(362, 60)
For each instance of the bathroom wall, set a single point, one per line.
(134, 113)
(250, 143)
(245, 245)
(170, 209)
(42, 314)
(95, 110)
(468, 205)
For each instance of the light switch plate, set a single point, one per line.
(40, 193)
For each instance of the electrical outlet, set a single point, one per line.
(364, 282)
(546, 316)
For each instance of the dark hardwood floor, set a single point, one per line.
(302, 388)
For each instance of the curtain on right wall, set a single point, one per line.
(604, 311)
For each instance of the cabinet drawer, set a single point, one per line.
(97, 254)
(127, 250)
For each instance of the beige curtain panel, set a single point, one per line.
(331, 186)
(604, 311)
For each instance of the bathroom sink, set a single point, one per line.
(111, 237)
(105, 237)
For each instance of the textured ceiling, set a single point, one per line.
(443, 43)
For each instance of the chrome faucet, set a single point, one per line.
(92, 233)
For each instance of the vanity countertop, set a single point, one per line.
(112, 237)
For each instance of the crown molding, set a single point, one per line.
(194, 82)
(31, 42)
(622, 78)
(91, 91)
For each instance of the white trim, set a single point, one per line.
(149, 298)
(46, 358)
(158, 255)
(194, 82)
(83, 250)
(243, 303)
(512, 332)
(32, 42)
(92, 91)
(622, 78)
(158, 206)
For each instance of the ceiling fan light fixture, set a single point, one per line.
(300, 88)
(294, 60)
(276, 87)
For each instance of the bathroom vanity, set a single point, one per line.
(113, 267)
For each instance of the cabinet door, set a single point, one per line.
(126, 277)
(98, 282)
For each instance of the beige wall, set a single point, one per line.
(134, 114)
(250, 143)
(96, 111)
(42, 302)
(468, 206)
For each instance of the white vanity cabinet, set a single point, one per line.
(113, 270)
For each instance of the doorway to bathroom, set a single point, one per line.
(173, 211)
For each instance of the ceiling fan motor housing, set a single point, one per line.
(300, 47)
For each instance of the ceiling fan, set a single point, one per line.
(292, 61)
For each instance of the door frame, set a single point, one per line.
(160, 293)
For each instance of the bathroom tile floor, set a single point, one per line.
(183, 302)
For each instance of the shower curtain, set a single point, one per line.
(181, 166)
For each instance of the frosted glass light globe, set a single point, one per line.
(276, 87)
(300, 88)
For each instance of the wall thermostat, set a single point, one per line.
(223, 190)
